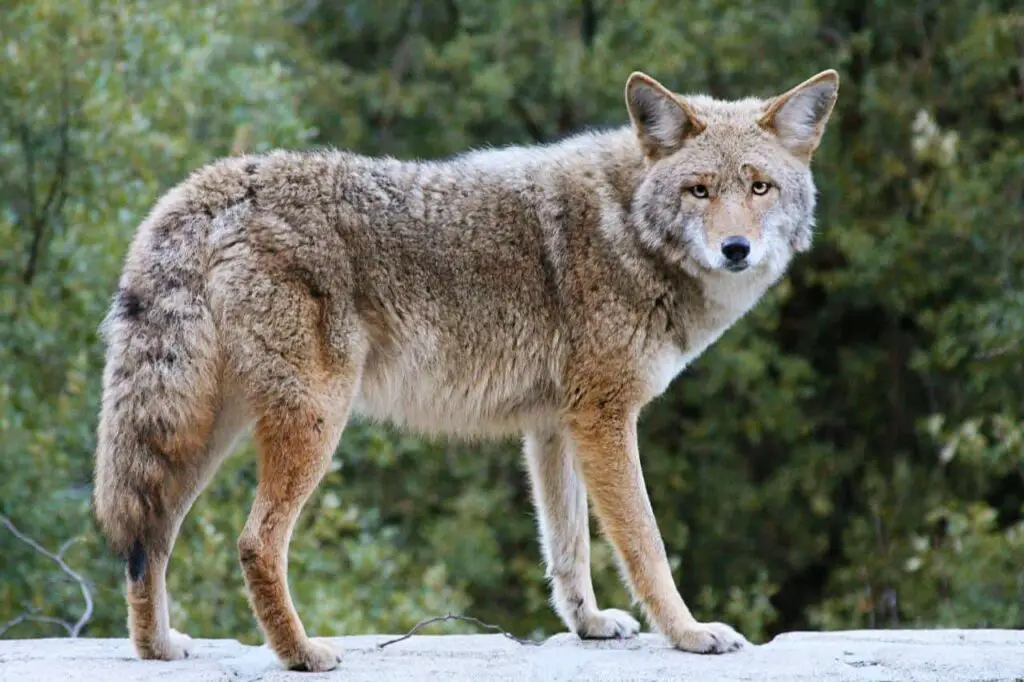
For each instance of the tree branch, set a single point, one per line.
(588, 23)
(75, 629)
(532, 127)
(39, 219)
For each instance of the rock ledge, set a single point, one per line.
(876, 656)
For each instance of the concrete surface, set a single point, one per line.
(875, 656)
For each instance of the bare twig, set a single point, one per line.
(67, 545)
(75, 629)
(996, 352)
(29, 617)
(451, 616)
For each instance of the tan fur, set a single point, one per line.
(550, 291)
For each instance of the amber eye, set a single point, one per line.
(760, 187)
(699, 191)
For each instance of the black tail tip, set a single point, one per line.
(137, 562)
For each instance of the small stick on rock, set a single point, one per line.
(451, 616)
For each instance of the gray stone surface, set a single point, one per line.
(940, 655)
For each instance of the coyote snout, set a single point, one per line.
(734, 236)
(734, 232)
(736, 250)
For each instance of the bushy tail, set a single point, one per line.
(159, 388)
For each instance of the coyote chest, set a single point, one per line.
(725, 301)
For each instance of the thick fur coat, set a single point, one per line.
(548, 291)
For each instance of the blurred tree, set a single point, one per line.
(850, 455)
(101, 109)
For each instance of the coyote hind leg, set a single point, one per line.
(299, 359)
(296, 444)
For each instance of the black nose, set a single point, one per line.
(735, 249)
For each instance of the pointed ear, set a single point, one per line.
(799, 116)
(661, 119)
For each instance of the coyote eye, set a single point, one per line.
(699, 191)
(760, 187)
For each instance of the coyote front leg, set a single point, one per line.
(561, 503)
(607, 450)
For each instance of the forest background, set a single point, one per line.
(850, 455)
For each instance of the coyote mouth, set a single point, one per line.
(737, 267)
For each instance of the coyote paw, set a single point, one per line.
(173, 648)
(607, 624)
(313, 656)
(180, 644)
(710, 638)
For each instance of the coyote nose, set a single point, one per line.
(735, 249)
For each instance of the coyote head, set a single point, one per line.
(727, 184)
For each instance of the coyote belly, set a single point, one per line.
(484, 394)
(547, 291)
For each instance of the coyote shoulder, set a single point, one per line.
(548, 291)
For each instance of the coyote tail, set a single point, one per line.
(159, 384)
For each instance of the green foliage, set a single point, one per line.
(101, 111)
(850, 455)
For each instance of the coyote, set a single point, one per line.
(548, 291)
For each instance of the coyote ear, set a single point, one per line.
(799, 116)
(661, 119)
